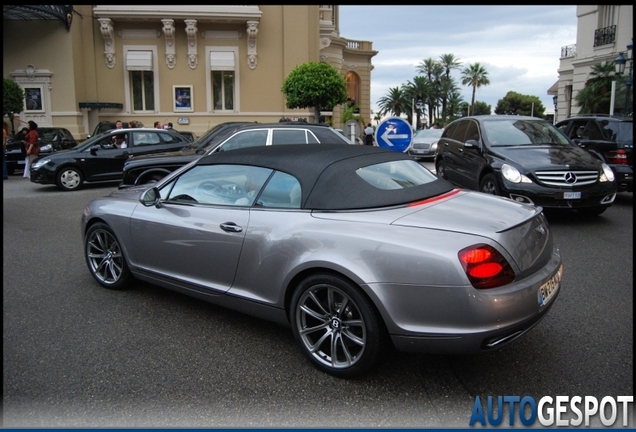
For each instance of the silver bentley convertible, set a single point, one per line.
(353, 247)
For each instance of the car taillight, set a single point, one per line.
(485, 266)
(616, 157)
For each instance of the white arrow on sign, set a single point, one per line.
(390, 134)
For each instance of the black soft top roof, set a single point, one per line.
(327, 174)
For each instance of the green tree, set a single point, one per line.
(349, 113)
(314, 85)
(12, 100)
(394, 103)
(596, 96)
(482, 108)
(418, 89)
(475, 76)
(518, 104)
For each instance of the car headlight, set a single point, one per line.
(608, 174)
(434, 147)
(37, 164)
(513, 175)
(46, 148)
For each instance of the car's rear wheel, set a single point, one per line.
(592, 211)
(151, 178)
(336, 325)
(69, 179)
(489, 185)
(105, 258)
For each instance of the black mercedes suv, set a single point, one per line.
(608, 138)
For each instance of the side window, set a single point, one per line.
(168, 138)
(145, 138)
(459, 132)
(288, 136)
(472, 132)
(593, 131)
(282, 190)
(245, 139)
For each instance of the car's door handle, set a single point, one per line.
(231, 227)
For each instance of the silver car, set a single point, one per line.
(425, 143)
(353, 247)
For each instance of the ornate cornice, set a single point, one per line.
(191, 31)
(252, 31)
(168, 31)
(106, 26)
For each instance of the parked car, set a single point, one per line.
(148, 169)
(608, 138)
(145, 170)
(352, 246)
(188, 135)
(103, 126)
(50, 139)
(525, 159)
(424, 144)
(97, 159)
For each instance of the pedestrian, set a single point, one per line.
(32, 148)
(119, 124)
(5, 135)
(157, 125)
(368, 135)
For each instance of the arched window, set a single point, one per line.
(352, 80)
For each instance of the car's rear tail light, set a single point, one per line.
(485, 266)
(616, 157)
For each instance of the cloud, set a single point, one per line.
(519, 46)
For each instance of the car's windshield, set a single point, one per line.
(522, 132)
(429, 133)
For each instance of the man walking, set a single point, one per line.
(368, 135)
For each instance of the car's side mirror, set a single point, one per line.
(471, 143)
(151, 197)
(94, 149)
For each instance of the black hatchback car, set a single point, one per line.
(608, 138)
(525, 159)
(228, 136)
(98, 159)
(50, 139)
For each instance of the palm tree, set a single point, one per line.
(475, 75)
(449, 62)
(395, 102)
(418, 89)
(595, 97)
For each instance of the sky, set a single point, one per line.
(519, 46)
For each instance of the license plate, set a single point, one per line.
(571, 195)
(548, 289)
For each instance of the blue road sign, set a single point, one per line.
(394, 133)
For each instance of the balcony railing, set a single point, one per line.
(568, 51)
(605, 36)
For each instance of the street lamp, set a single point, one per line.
(419, 105)
(555, 100)
(619, 64)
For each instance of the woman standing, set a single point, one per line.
(32, 147)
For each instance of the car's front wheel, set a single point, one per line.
(336, 325)
(105, 257)
(69, 179)
(489, 185)
(440, 169)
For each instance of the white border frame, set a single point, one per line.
(187, 88)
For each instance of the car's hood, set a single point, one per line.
(548, 157)
(425, 140)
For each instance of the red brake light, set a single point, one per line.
(616, 157)
(485, 266)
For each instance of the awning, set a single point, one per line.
(554, 90)
(105, 105)
(39, 12)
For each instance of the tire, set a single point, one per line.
(489, 185)
(592, 211)
(440, 170)
(105, 258)
(318, 324)
(152, 178)
(69, 179)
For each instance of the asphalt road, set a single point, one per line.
(77, 355)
